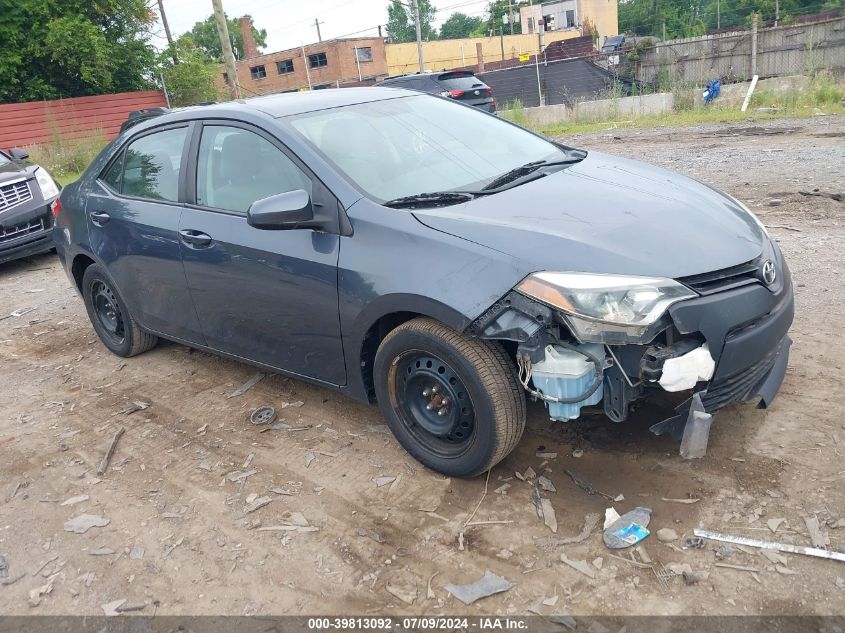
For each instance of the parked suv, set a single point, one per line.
(28, 198)
(439, 261)
(460, 85)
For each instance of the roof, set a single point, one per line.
(290, 103)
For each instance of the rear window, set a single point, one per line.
(460, 82)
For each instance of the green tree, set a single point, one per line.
(499, 16)
(400, 21)
(205, 36)
(191, 80)
(459, 25)
(72, 48)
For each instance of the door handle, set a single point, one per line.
(100, 217)
(195, 238)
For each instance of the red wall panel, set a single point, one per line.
(38, 122)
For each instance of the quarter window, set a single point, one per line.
(285, 66)
(151, 165)
(317, 60)
(113, 173)
(236, 167)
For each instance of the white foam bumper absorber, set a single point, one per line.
(683, 372)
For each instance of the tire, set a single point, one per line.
(477, 412)
(111, 319)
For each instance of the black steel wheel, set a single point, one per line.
(110, 317)
(452, 401)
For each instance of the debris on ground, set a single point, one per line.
(126, 607)
(546, 484)
(579, 565)
(309, 458)
(774, 524)
(110, 608)
(84, 522)
(577, 453)
(693, 542)
(485, 586)
(546, 455)
(590, 523)
(502, 489)
(104, 464)
(679, 569)
(783, 547)
(253, 502)
(239, 476)
(666, 535)
(586, 486)
(74, 500)
(383, 481)
(817, 537)
(367, 532)
(686, 501)
(136, 553)
(298, 403)
(406, 592)
(249, 384)
(263, 415)
(4, 567)
(629, 529)
(36, 593)
(610, 516)
(132, 407)
(549, 517)
(839, 582)
(839, 197)
(101, 551)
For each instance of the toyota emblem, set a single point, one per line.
(770, 273)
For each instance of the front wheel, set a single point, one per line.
(452, 401)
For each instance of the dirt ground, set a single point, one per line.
(180, 538)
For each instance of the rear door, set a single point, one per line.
(264, 295)
(467, 88)
(133, 215)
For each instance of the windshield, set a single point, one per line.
(4, 159)
(411, 145)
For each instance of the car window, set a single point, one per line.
(113, 173)
(236, 167)
(464, 82)
(151, 165)
(416, 144)
(4, 159)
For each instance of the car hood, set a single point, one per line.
(609, 215)
(15, 169)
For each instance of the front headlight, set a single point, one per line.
(613, 309)
(48, 186)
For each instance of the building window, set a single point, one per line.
(285, 66)
(317, 60)
(570, 19)
(257, 72)
(530, 25)
(364, 54)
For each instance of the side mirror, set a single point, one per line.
(18, 154)
(283, 211)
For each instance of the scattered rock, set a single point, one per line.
(577, 453)
(383, 481)
(549, 515)
(679, 569)
(362, 531)
(774, 524)
(84, 522)
(667, 535)
(101, 551)
(136, 553)
(130, 606)
(839, 582)
(406, 592)
(598, 563)
(546, 484)
(309, 458)
(253, 502)
(43, 590)
(487, 585)
(775, 202)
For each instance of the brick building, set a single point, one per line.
(321, 65)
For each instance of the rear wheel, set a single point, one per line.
(452, 401)
(110, 317)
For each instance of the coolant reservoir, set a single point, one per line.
(564, 373)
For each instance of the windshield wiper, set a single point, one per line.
(433, 199)
(529, 168)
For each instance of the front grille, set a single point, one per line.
(738, 386)
(9, 233)
(13, 194)
(725, 279)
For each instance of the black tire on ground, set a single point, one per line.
(111, 319)
(489, 418)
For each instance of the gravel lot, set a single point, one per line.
(181, 539)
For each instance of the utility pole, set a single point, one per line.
(226, 45)
(510, 15)
(415, 5)
(718, 15)
(317, 23)
(664, 30)
(357, 63)
(167, 30)
(305, 63)
(777, 11)
(754, 22)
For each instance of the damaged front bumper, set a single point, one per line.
(741, 321)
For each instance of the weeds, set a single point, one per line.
(66, 158)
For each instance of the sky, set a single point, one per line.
(290, 23)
